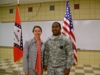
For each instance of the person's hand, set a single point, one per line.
(45, 68)
(66, 71)
(26, 73)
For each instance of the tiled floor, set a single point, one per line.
(8, 67)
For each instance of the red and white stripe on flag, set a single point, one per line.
(68, 30)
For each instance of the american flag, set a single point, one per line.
(68, 30)
(18, 41)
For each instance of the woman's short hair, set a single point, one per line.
(37, 27)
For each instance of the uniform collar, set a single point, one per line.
(56, 37)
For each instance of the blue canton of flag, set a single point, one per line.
(68, 15)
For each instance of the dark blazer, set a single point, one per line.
(30, 54)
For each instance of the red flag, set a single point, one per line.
(18, 41)
(68, 30)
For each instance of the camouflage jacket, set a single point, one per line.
(58, 51)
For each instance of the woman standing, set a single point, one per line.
(33, 53)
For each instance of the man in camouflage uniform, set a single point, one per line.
(58, 53)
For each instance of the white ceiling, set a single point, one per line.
(13, 2)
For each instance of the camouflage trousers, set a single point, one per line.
(56, 70)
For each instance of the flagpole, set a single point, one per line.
(18, 61)
(18, 69)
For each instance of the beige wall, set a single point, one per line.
(6, 53)
(89, 9)
(87, 57)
